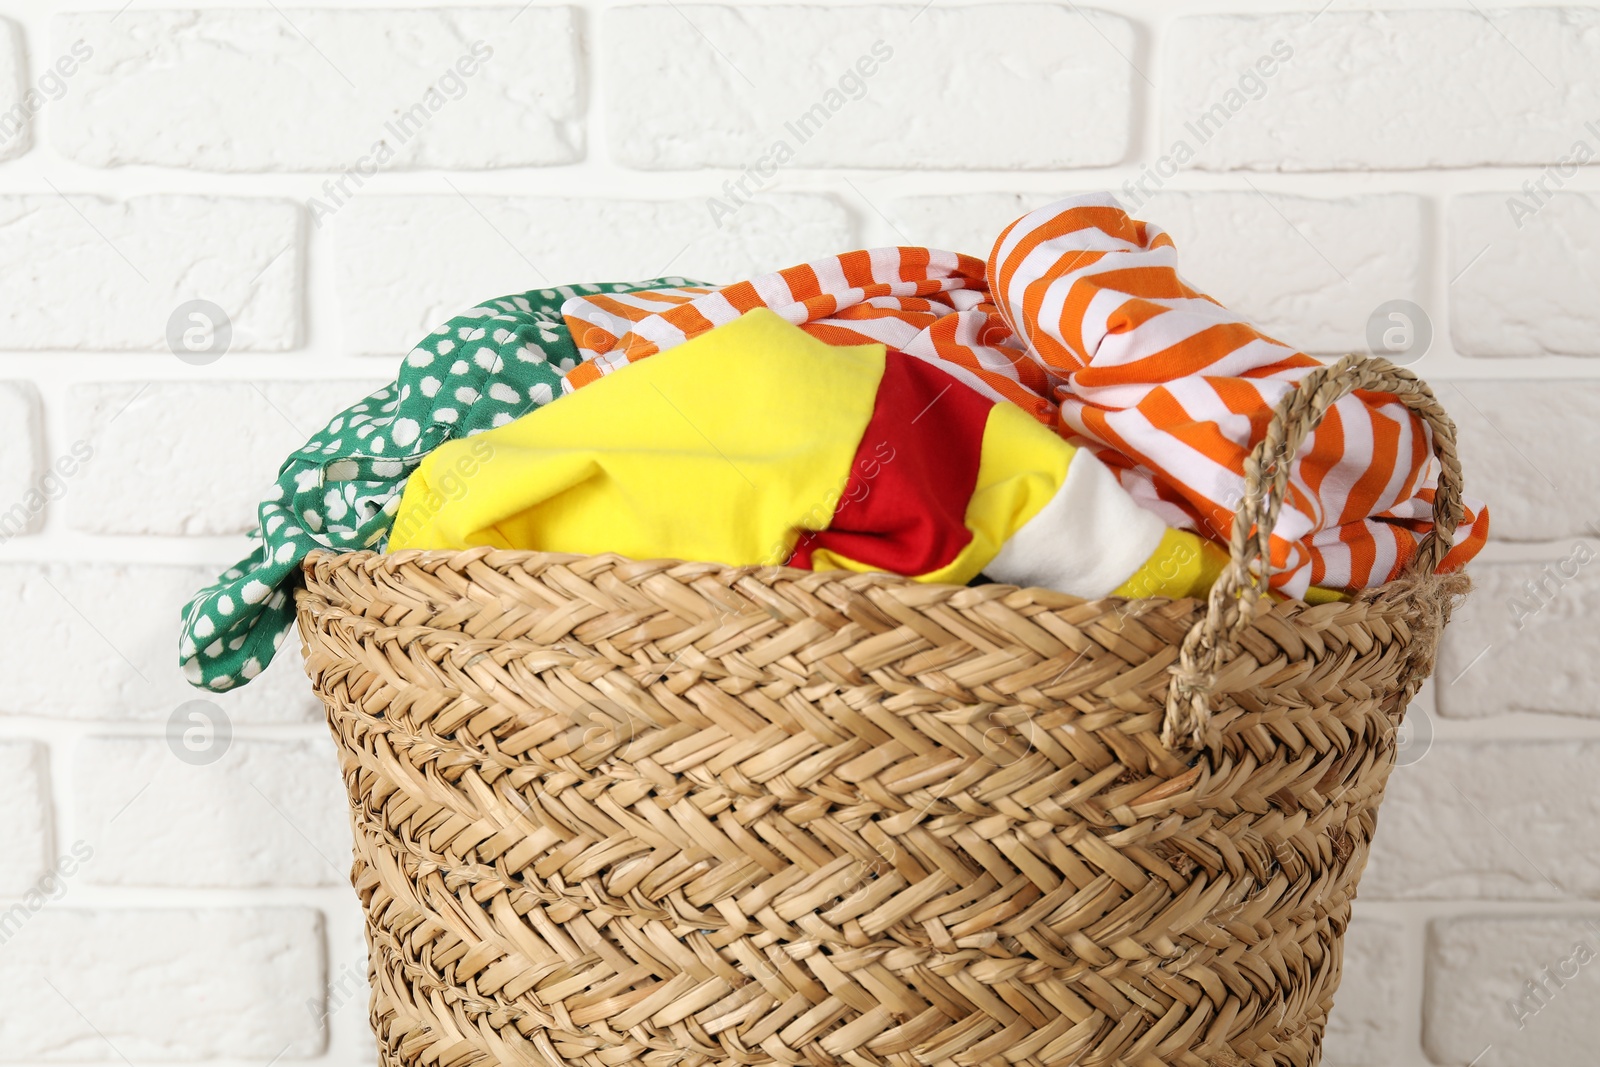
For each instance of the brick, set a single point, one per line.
(86, 272)
(264, 813)
(1499, 820)
(19, 100)
(1540, 485)
(101, 642)
(1521, 269)
(191, 458)
(1515, 646)
(25, 830)
(1365, 1026)
(1388, 90)
(407, 264)
(319, 90)
(23, 498)
(1333, 261)
(1480, 1007)
(172, 984)
(1038, 86)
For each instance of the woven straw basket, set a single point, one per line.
(613, 813)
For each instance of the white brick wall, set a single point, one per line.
(258, 90)
(1512, 989)
(261, 813)
(15, 136)
(1545, 259)
(1472, 822)
(405, 264)
(25, 798)
(163, 456)
(197, 983)
(20, 465)
(330, 183)
(132, 262)
(1381, 90)
(773, 65)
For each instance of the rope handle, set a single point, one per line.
(1266, 479)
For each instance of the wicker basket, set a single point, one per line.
(610, 812)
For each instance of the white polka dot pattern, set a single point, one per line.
(339, 491)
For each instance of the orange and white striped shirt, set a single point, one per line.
(1080, 317)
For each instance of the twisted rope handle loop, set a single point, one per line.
(1240, 590)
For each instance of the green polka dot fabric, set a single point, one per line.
(339, 491)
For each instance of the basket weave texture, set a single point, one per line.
(610, 812)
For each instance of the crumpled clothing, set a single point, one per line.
(339, 491)
(1080, 317)
(757, 444)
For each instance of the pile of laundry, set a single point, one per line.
(1069, 415)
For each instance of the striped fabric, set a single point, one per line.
(1080, 317)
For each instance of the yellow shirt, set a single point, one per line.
(755, 443)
